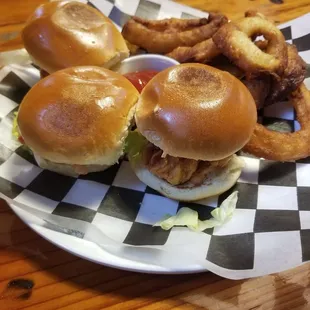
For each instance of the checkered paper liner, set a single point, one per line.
(269, 232)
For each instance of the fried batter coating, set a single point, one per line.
(180, 171)
(291, 79)
(174, 170)
(259, 89)
(204, 170)
(280, 146)
(202, 52)
(171, 24)
(165, 35)
(223, 63)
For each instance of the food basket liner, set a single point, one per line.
(270, 230)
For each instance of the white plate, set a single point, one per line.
(92, 252)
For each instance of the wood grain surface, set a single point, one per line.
(34, 274)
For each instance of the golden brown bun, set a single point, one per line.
(66, 169)
(78, 116)
(196, 111)
(64, 34)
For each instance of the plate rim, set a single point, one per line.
(73, 247)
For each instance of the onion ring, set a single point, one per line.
(171, 24)
(234, 40)
(163, 36)
(285, 146)
(202, 52)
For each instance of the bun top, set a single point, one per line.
(196, 111)
(78, 116)
(62, 34)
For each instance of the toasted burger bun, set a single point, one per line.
(214, 185)
(196, 111)
(63, 34)
(78, 116)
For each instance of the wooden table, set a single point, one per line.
(64, 281)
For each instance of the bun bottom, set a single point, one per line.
(68, 170)
(215, 185)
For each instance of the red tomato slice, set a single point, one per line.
(140, 79)
(21, 140)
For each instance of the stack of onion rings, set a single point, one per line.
(163, 36)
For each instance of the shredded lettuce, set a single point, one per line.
(188, 217)
(134, 145)
(15, 130)
(16, 134)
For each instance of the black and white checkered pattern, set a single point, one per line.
(270, 230)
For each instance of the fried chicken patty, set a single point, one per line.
(179, 171)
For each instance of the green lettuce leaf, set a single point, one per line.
(188, 217)
(15, 130)
(134, 145)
